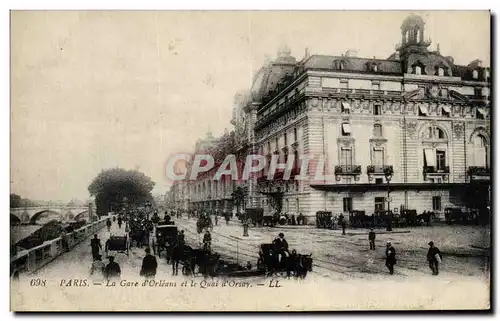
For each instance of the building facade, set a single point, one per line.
(416, 115)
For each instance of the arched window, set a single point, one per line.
(418, 70)
(433, 133)
(480, 151)
(440, 71)
(418, 36)
(475, 74)
(375, 67)
(377, 130)
(440, 133)
(341, 65)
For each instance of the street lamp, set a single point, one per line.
(388, 176)
(125, 201)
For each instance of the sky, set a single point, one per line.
(92, 90)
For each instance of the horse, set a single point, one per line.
(206, 262)
(303, 264)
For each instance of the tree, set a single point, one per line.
(15, 201)
(112, 185)
(239, 195)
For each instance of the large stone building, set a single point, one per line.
(416, 115)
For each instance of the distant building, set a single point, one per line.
(416, 115)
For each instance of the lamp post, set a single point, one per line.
(388, 176)
(125, 201)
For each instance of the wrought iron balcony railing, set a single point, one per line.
(348, 170)
(379, 169)
(479, 171)
(436, 170)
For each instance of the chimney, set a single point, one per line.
(306, 55)
(351, 53)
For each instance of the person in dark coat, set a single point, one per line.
(434, 257)
(390, 257)
(149, 265)
(181, 238)
(207, 241)
(342, 223)
(96, 246)
(112, 270)
(120, 222)
(371, 238)
(280, 246)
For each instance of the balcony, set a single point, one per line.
(379, 169)
(435, 170)
(348, 170)
(479, 171)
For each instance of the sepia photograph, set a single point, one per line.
(258, 161)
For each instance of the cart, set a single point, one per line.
(120, 244)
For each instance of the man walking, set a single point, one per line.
(96, 246)
(149, 265)
(112, 270)
(434, 257)
(342, 223)
(371, 239)
(390, 257)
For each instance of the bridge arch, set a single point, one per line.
(45, 216)
(81, 216)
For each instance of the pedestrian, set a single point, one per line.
(434, 258)
(149, 265)
(390, 257)
(64, 241)
(112, 270)
(97, 269)
(216, 218)
(342, 222)
(108, 224)
(96, 246)
(371, 238)
(120, 222)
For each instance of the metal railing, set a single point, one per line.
(31, 260)
(378, 169)
(347, 169)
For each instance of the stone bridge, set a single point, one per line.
(43, 214)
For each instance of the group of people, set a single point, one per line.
(434, 256)
(99, 270)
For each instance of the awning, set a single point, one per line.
(447, 109)
(430, 157)
(346, 128)
(424, 110)
(482, 111)
(346, 105)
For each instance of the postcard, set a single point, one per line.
(250, 161)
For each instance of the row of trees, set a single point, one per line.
(18, 201)
(112, 186)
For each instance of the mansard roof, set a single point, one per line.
(353, 64)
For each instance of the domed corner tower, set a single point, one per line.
(412, 36)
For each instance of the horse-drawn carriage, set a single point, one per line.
(120, 244)
(166, 235)
(290, 263)
(456, 215)
(324, 220)
(411, 217)
(255, 216)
